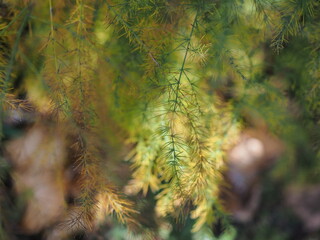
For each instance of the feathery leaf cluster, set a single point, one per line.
(176, 80)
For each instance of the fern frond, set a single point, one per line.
(294, 15)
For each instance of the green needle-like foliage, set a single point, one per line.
(174, 81)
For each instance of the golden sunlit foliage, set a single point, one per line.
(173, 81)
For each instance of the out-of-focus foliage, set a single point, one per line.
(174, 81)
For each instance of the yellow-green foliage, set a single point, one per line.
(156, 75)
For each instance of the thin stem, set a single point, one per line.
(52, 37)
(177, 91)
